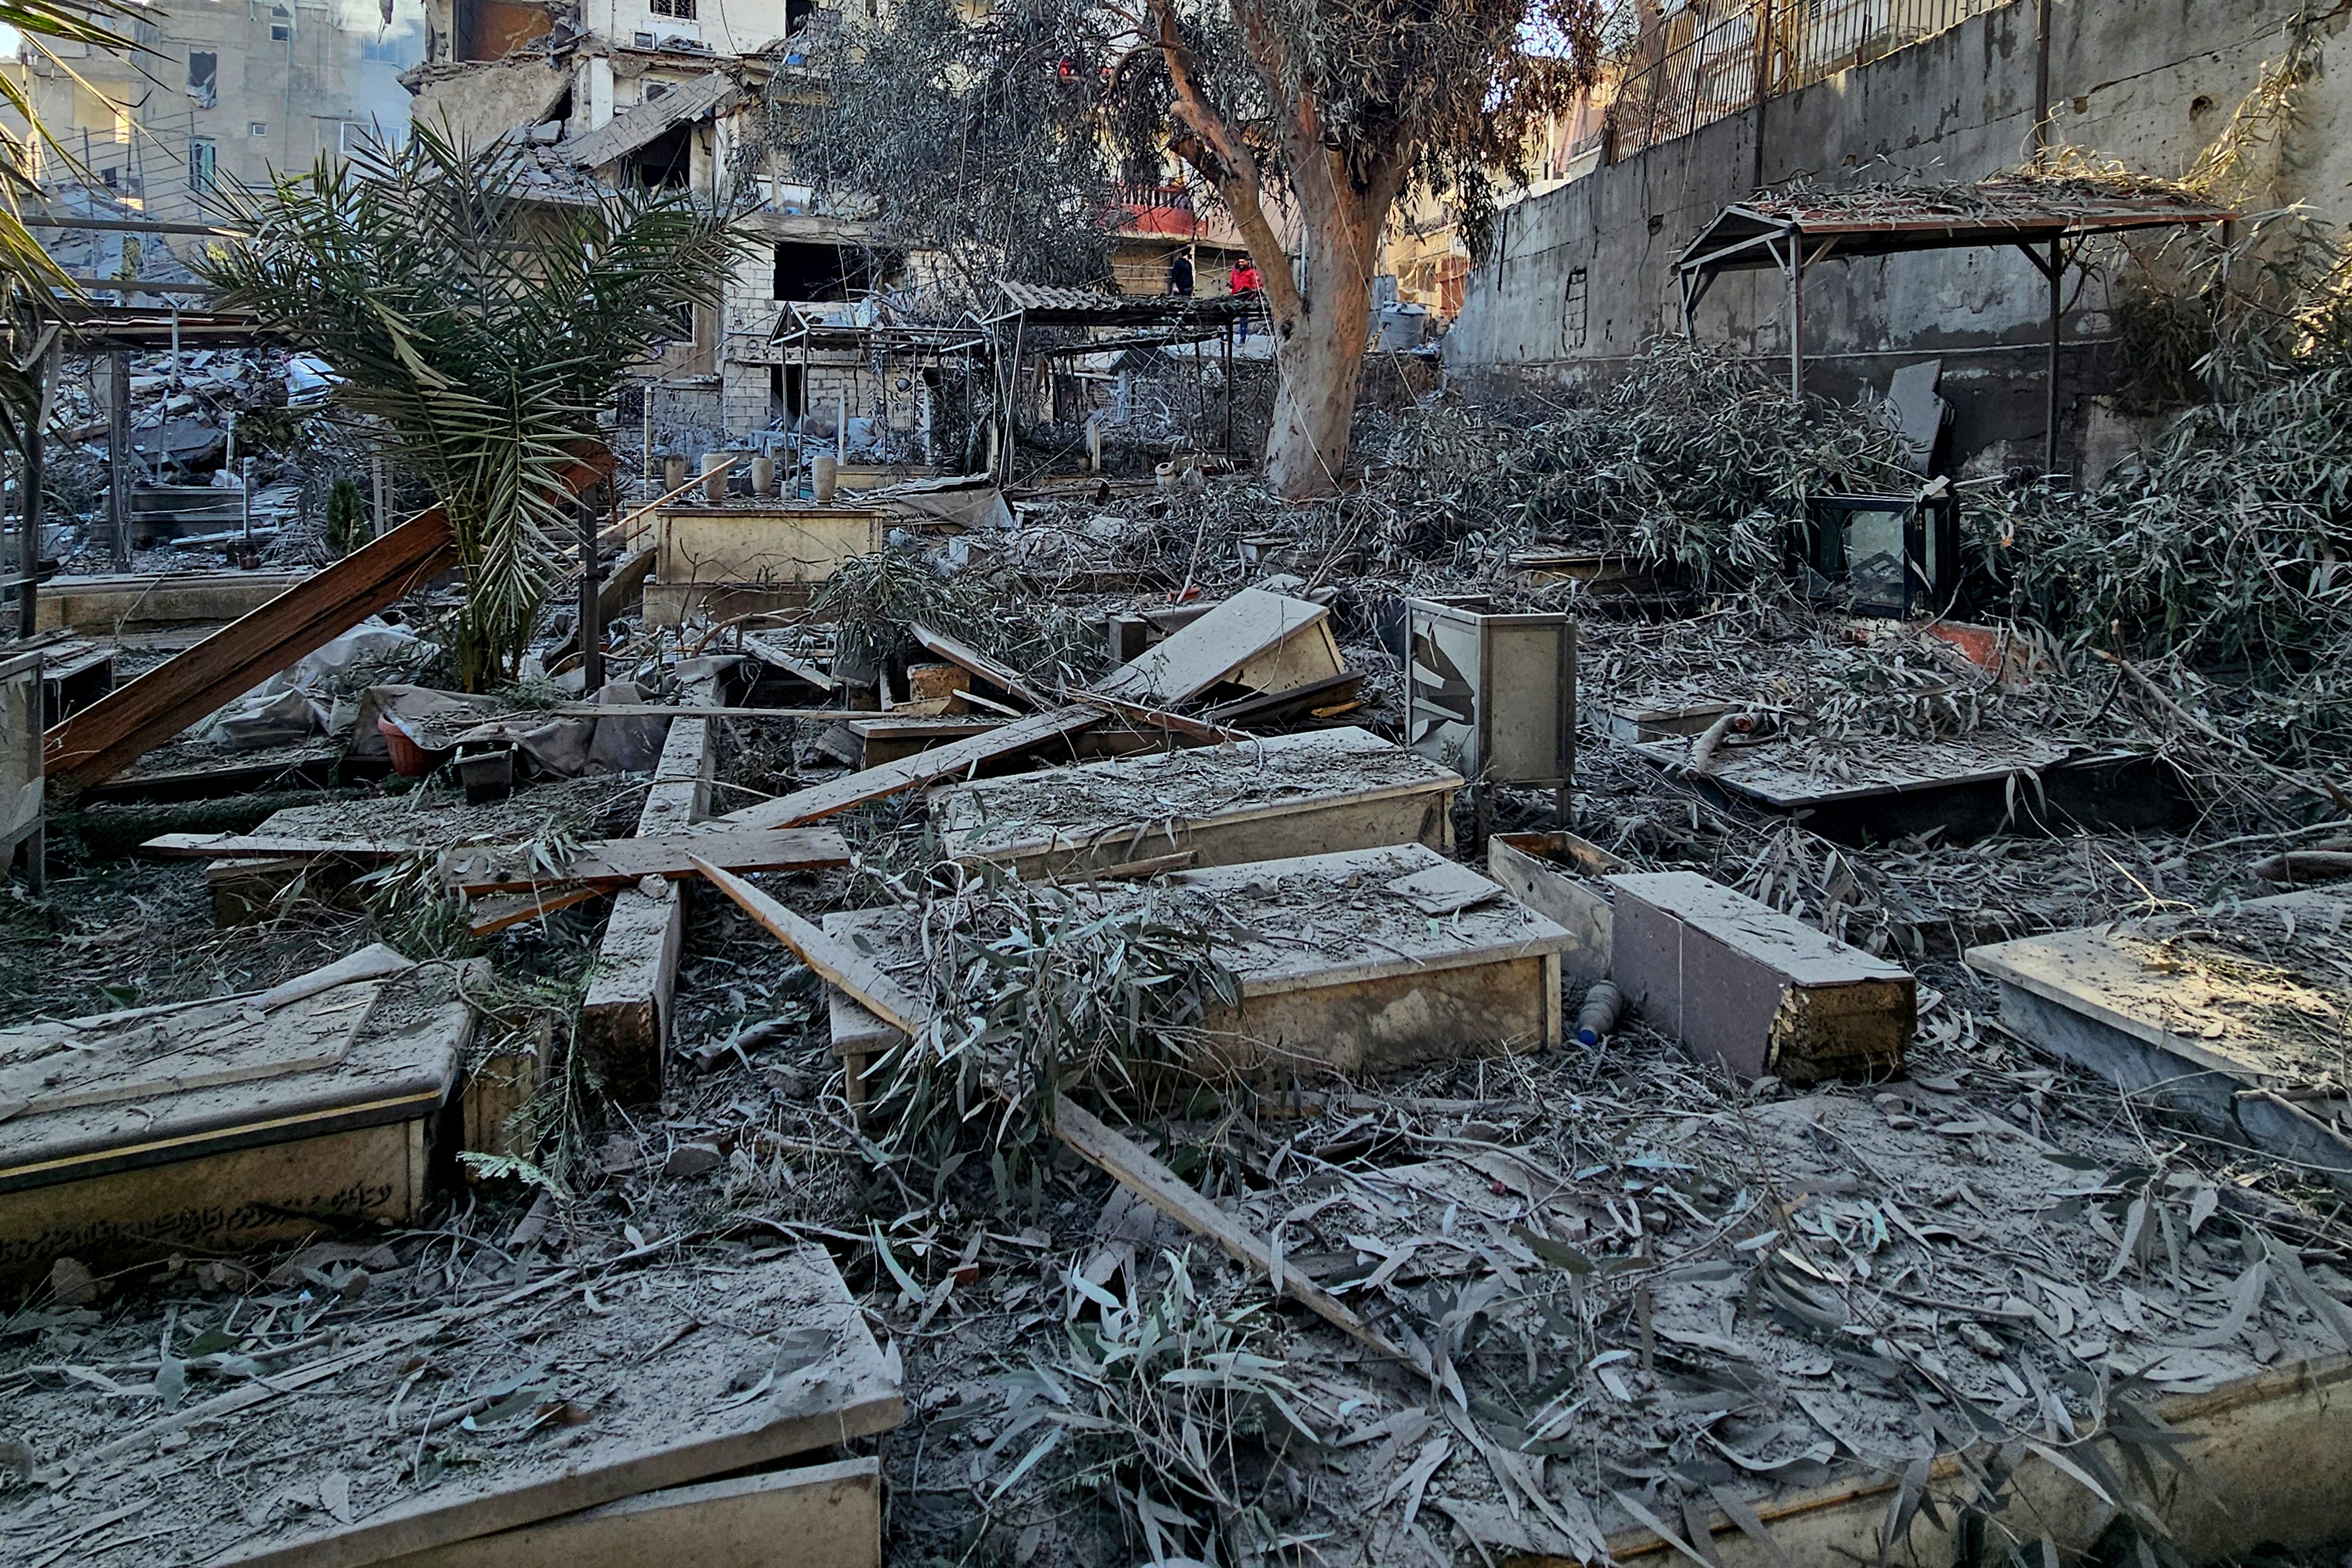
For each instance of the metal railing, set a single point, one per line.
(1703, 61)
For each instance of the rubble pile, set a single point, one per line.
(1063, 1038)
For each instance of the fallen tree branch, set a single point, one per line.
(1084, 1134)
(2310, 784)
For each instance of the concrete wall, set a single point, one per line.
(2150, 82)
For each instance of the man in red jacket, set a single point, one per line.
(1243, 282)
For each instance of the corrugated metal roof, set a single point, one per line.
(1883, 220)
(1047, 305)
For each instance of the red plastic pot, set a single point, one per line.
(409, 759)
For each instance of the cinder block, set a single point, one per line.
(1746, 985)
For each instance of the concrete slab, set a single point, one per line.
(1365, 961)
(138, 602)
(1744, 985)
(229, 1124)
(1317, 792)
(2235, 1018)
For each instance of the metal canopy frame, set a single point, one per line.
(1158, 320)
(1792, 238)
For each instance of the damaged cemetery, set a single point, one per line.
(1625, 840)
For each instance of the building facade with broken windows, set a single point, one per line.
(221, 92)
(1927, 91)
(666, 92)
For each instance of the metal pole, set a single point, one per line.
(646, 470)
(375, 473)
(174, 379)
(1796, 266)
(1227, 350)
(2041, 79)
(29, 537)
(2057, 272)
(1763, 72)
(118, 454)
(591, 630)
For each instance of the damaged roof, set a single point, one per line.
(1046, 305)
(712, 94)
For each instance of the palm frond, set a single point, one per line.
(485, 326)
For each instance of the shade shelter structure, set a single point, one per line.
(2050, 220)
(1089, 322)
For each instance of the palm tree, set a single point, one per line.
(483, 319)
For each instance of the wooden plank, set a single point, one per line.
(107, 736)
(601, 865)
(951, 760)
(990, 670)
(837, 962)
(1244, 631)
(828, 958)
(1119, 1158)
(623, 1026)
(871, 742)
(251, 846)
(677, 710)
(618, 862)
(1337, 691)
(825, 1516)
(767, 652)
(491, 916)
(1198, 729)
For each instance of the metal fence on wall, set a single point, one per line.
(1702, 62)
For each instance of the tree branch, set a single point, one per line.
(1226, 162)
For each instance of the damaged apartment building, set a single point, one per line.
(663, 93)
(218, 93)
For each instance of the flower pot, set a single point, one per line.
(409, 759)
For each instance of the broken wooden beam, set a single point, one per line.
(1124, 1161)
(600, 866)
(625, 1020)
(955, 759)
(1744, 984)
(107, 736)
(612, 864)
(1117, 1157)
(1257, 640)
(995, 672)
